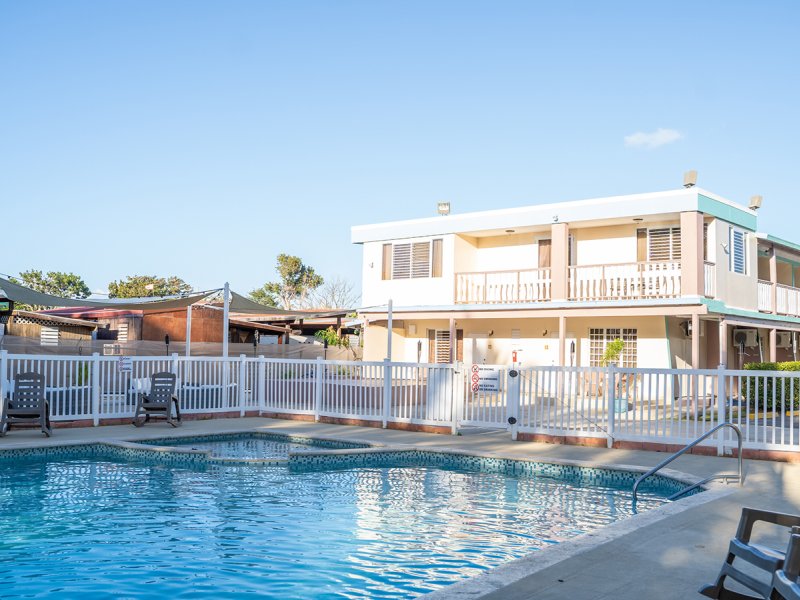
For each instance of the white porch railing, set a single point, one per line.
(663, 406)
(625, 281)
(788, 298)
(709, 279)
(496, 287)
(764, 296)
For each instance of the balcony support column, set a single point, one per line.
(692, 283)
(773, 345)
(559, 261)
(723, 343)
(696, 341)
(773, 279)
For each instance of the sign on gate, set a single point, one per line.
(485, 378)
(125, 364)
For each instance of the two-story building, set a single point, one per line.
(682, 277)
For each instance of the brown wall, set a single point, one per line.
(206, 325)
(32, 330)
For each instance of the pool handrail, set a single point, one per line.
(709, 433)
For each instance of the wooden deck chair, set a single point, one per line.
(767, 559)
(784, 581)
(159, 400)
(27, 405)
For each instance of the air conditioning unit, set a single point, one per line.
(748, 337)
(784, 339)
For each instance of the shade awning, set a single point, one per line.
(22, 294)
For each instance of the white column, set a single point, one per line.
(389, 331)
(225, 318)
(188, 330)
(695, 341)
(453, 342)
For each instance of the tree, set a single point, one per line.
(335, 293)
(263, 296)
(141, 286)
(55, 283)
(297, 281)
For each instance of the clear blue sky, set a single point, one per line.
(201, 139)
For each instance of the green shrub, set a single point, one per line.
(771, 393)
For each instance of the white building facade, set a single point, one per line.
(682, 277)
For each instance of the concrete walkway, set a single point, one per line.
(665, 559)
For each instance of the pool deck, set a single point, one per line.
(667, 557)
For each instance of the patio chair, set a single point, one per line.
(159, 400)
(769, 560)
(784, 581)
(27, 405)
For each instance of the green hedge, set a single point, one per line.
(786, 392)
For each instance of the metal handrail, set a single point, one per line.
(688, 447)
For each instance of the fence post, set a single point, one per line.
(512, 401)
(611, 395)
(387, 391)
(319, 381)
(3, 378)
(96, 388)
(261, 385)
(175, 358)
(721, 409)
(458, 396)
(242, 380)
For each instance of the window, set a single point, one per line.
(412, 260)
(738, 262)
(664, 244)
(439, 345)
(599, 340)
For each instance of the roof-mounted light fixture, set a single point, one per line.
(443, 208)
(690, 179)
(755, 202)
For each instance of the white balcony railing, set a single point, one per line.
(764, 296)
(788, 300)
(625, 281)
(498, 287)
(709, 279)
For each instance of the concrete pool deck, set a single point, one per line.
(667, 558)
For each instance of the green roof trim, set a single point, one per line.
(726, 212)
(782, 242)
(720, 307)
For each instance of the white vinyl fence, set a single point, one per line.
(666, 406)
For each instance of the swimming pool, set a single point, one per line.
(361, 523)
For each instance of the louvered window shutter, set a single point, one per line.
(664, 244)
(401, 261)
(421, 260)
(737, 251)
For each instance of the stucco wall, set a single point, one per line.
(737, 290)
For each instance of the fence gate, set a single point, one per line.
(486, 396)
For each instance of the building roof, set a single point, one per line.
(492, 222)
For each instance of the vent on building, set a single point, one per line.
(49, 336)
(122, 333)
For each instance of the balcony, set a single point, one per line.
(786, 297)
(501, 287)
(630, 281)
(644, 280)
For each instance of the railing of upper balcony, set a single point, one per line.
(498, 287)
(787, 298)
(625, 281)
(596, 282)
(709, 279)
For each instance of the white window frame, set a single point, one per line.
(419, 266)
(733, 234)
(599, 337)
(674, 237)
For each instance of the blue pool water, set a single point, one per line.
(250, 446)
(101, 529)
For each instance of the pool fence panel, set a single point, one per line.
(632, 405)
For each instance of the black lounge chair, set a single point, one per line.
(158, 401)
(784, 581)
(768, 560)
(27, 405)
